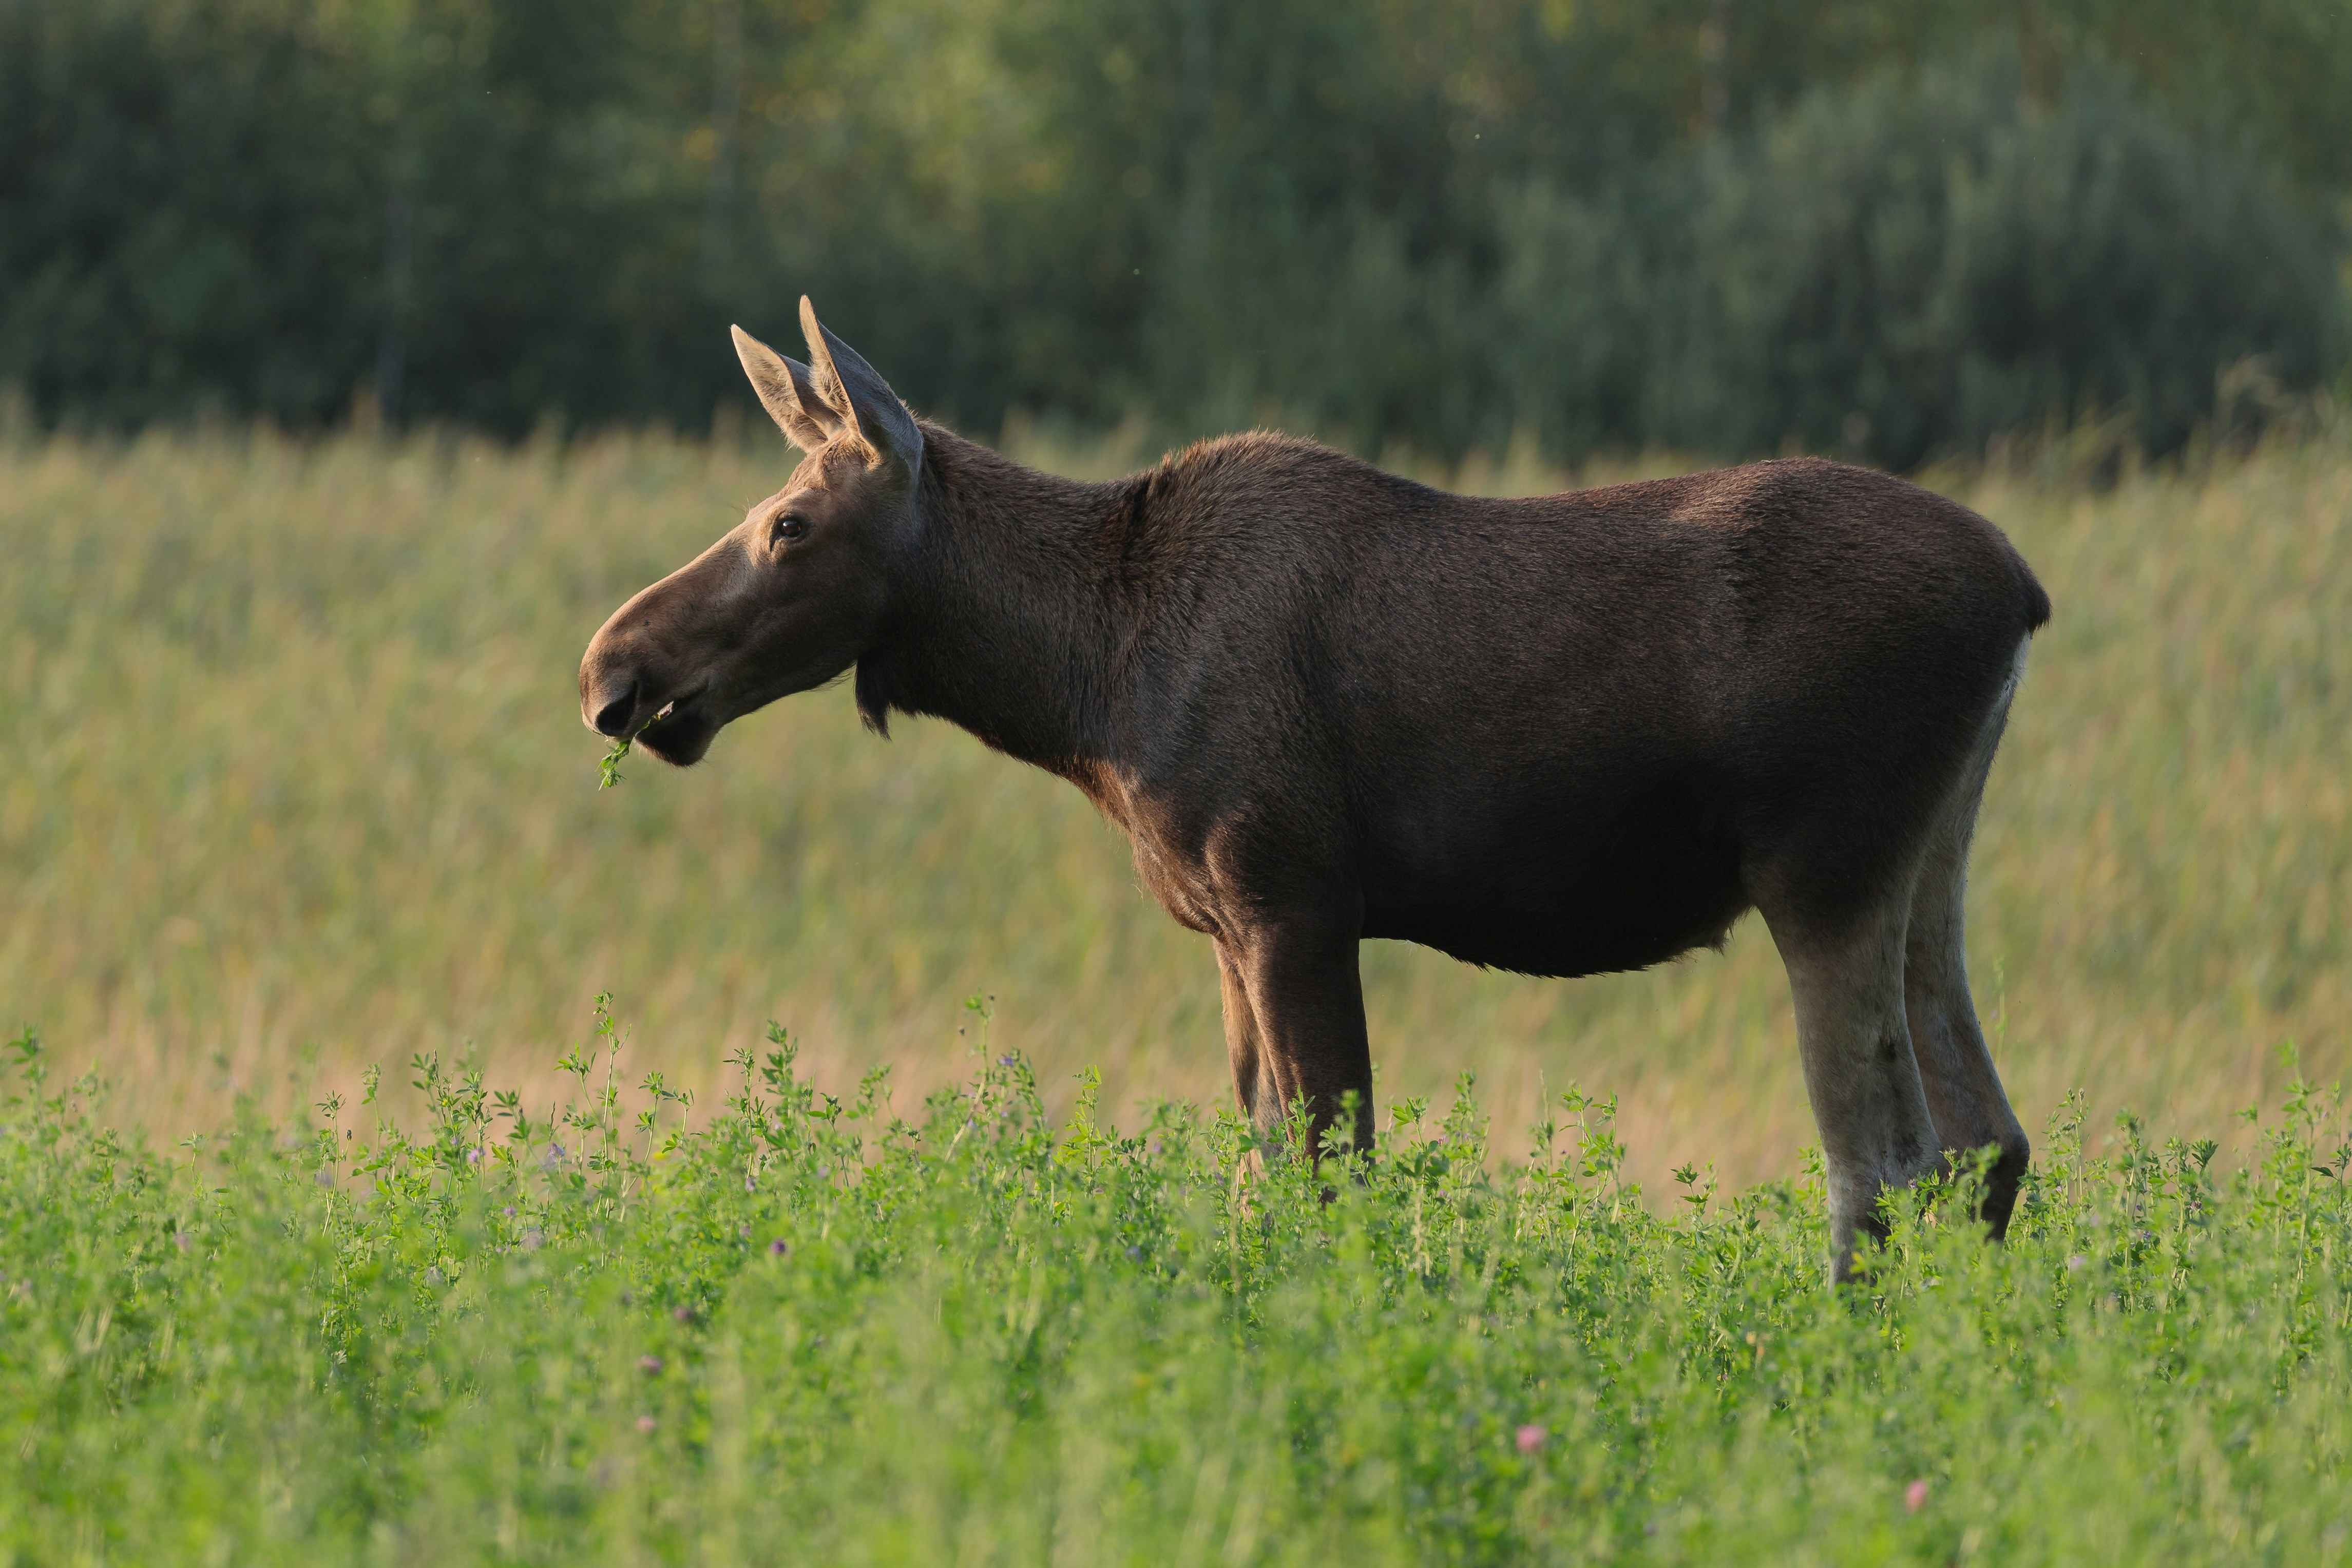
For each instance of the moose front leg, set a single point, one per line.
(1241, 1045)
(1295, 1022)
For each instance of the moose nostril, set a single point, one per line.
(612, 718)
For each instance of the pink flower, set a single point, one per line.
(1915, 1496)
(645, 1424)
(1530, 1437)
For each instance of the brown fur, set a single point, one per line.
(1563, 735)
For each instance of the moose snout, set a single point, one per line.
(629, 693)
(613, 684)
(607, 706)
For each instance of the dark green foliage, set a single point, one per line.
(179, 221)
(1910, 267)
(265, 206)
(1422, 222)
(813, 1330)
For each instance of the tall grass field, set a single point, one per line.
(888, 1211)
(295, 783)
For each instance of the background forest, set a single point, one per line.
(1722, 226)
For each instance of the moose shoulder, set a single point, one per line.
(1561, 735)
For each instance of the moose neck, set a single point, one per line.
(1007, 619)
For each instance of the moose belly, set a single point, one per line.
(1557, 892)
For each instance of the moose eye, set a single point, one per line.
(788, 526)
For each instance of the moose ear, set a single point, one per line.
(860, 395)
(785, 393)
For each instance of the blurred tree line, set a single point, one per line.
(1726, 226)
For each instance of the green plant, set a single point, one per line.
(818, 1328)
(608, 771)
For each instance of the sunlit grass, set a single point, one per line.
(295, 783)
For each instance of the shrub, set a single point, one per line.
(1910, 267)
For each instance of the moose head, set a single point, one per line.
(793, 595)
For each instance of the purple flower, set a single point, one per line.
(649, 1364)
(1530, 1437)
(682, 1313)
(778, 1248)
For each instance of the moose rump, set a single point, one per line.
(1561, 735)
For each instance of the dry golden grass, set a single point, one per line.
(295, 784)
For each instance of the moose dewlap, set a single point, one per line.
(1562, 735)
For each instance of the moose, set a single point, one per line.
(1564, 735)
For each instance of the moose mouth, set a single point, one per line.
(682, 730)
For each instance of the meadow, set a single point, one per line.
(889, 1210)
(801, 1329)
(297, 786)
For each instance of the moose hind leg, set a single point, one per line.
(1846, 978)
(1965, 1096)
